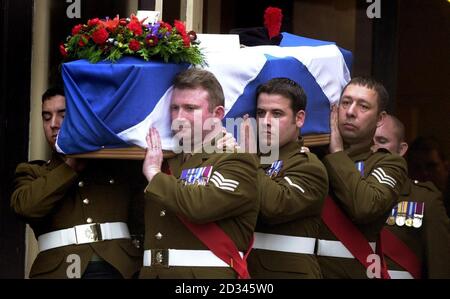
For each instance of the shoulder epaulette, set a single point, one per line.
(428, 185)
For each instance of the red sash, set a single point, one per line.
(400, 253)
(213, 237)
(348, 234)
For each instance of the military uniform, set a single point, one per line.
(292, 191)
(430, 242)
(52, 196)
(220, 188)
(366, 196)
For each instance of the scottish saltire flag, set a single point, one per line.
(113, 105)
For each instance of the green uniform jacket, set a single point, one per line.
(431, 241)
(366, 200)
(291, 204)
(51, 196)
(235, 211)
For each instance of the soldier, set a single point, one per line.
(77, 209)
(427, 162)
(292, 189)
(418, 227)
(364, 186)
(201, 211)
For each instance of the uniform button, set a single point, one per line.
(86, 201)
(136, 243)
(162, 213)
(80, 184)
(89, 220)
(111, 181)
(158, 236)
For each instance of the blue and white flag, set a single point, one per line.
(113, 105)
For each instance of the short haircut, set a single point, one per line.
(286, 88)
(195, 78)
(370, 83)
(399, 126)
(53, 91)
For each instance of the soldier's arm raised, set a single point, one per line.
(230, 191)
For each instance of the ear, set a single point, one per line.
(219, 112)
(300, 118)
(381, 118)
(403, 148)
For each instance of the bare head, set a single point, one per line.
(53, 112)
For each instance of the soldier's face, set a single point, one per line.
(358, 114)
(388, 136)
(276, 121)
(189, 111)
(53, 111)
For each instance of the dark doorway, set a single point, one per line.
(15, 55)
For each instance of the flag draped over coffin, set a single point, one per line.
(112, 105)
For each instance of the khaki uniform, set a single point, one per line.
(431, 241)
(366, 199)
(291, 203)
(233, 208)
(51, 196)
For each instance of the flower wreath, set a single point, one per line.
(111, 39)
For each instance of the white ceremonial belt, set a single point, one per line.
(284, 243)
(394, 274)
(82, 234)
(183, 258)
(336, 249)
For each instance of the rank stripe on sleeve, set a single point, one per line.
(294, 185)
(383, 178)
(225, 184)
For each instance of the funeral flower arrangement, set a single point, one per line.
(111, 39)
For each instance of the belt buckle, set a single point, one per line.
(88, 233)
(160, 257)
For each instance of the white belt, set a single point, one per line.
(82, 234)
(284, 243)
(183, 258)
(336, 249)
(400, 274)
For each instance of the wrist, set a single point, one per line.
(150, 173)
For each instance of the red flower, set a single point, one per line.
(186, 41)
(76, 29)
(111, 25)
(93, 22)
(152, 40)
(100, 36)
(165, 25)
(180, 27)
(135, 26)
(134, 45)
(122, 22)
(192, 35)
(272, 21)
(62, 50)
(84, 39)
